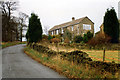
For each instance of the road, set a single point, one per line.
(16, 64)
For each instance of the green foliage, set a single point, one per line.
(89, 35)
(34, 33)
(50, 37)
(85, 38)
(111, 25)
(78, 39)
(67, 34)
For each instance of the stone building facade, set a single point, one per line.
(76, 27)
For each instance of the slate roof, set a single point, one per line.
(68, 23)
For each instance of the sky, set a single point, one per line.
(55, 12)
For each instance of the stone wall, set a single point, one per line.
(78, 57)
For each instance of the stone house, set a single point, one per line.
(76, 27)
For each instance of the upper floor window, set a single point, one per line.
(86, 27)
(72, 28)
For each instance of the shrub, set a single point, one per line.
(66, 40)
(85, 38)
(99, 39)
(89, 35)
(67, 34)
(58, 36)
(50, 37)
(78, 39)
(55, 40)
(44, 36)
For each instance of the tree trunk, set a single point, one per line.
(21, 34)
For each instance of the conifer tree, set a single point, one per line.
(34, 33)
(111, 25)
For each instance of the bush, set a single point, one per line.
(89, 35)
(44, 37)
(99, 39)
(58, 36)
(55, 40)
(50, 37)
(66, 40)
(85, 38)
(67, 34)
(78, 39)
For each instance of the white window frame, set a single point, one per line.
(57, 32)
(72, 28)
(52, 32)
(86, 27)
(62, 30)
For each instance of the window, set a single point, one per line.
(72, 28)
(78, 29)
(52, 32)
(62, 30)
(86, 27)
(57, 32)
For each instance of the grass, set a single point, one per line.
(67, 68)
(7, 44)
(98, 55)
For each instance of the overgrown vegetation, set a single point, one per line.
(99, 39)
(78, 39)
(85, 38)
(67, 35)
(69, 69)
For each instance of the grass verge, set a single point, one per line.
(7, 44)
(67, 68)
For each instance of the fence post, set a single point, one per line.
(103, 54)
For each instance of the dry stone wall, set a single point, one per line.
(78, 57)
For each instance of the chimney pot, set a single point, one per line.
(73, 18)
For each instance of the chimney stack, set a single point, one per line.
(73, 18)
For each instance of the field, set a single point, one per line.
(97, 55)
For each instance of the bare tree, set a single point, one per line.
(22, 20)
(46, 30)
(7, 8)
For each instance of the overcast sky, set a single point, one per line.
(54, 12)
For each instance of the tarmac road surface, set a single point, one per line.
(16, 64)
